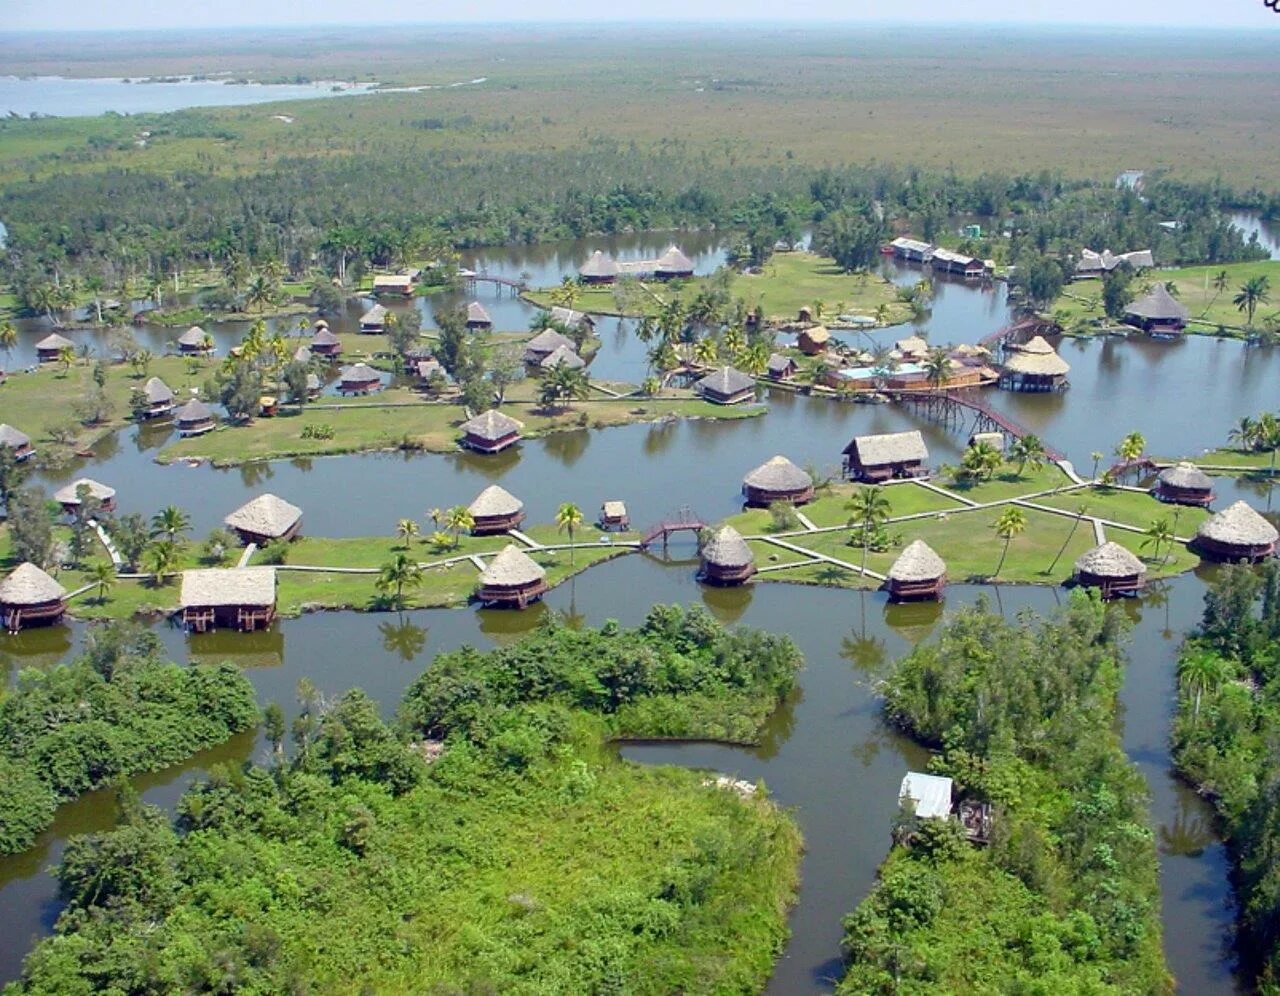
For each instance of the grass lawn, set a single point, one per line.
(1008, 483)
(767, 554)
(1175, 559)
(1129, 507)
(1246, 460)
(821, 574)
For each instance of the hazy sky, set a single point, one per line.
(104, 14)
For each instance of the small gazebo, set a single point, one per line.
(726, 558)
(265, 519)
(195, 342)
(1112, 569)
(727, 386)
(49, 348)
(1158, 313)
(478, 317)
(325, 343)
(490, 432)
(242, 598)
(913, 347)
(1034, 366)
(29, 597)
(373, 321)
(1236, 533)
(359, 378)
(194, 418)
(1184, 484)
(918, 574)
(69, 496)
(777, 479)
(495, 510)
(512, 580)
(159, 396)
(601, 268)
(613, 515)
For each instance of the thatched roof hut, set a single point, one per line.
(194, 418)
(1112, 569)
(393, 283)
(777, 479)
(195, 340)
(813, 341)
(48, 348)
(1034, 366)
(1236, 533)
(359, 378)
(673, 263)
(242, 598)
(883, 456)
(726, 558)
(326, 343)
(613, 515)
(912, 347)
(726, 386)
(1184, 484)
(373, 320)
(1158, 312)
(265, 518)
(600, 268)
(495, 510)
(512, 579)
(781, 367)
(29, 597)
(16, 440)
(69, 496)
(490, 432)
(562, 356)
(159, 398)
(918, 573)
(544, 344)
(478, 317)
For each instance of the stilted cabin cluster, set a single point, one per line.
(813, 341)
(543, 345)
(726, 559)
(374, 321)
(324, 342)
(1112, 569)
(879, 458)
(1158, 314)
(194, 418)
(477, 317)
(69, 496)
(1034, 366)
(267, 518)
(941, 260)
(240, 598)
(512, 580)
(561, 356)
(394, 284)
(1237, 533)
(1093, 265)
(51, 346)
(16, 440)
(159, 398)
(29, 597)
(359, 378)
(727, 386)
(602, 268)
(781, 367)
(778, 479)
(911, 250)
(495, 510)
(918, 574)
(195, 342)
(613, 516)
(1185, 484)
(491, 432)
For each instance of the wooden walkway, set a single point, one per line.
(685, 520)
(953, 407)
(1021, 331)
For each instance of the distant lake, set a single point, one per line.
(60, 96)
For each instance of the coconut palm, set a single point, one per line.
(397, 575)
(1200, 671)
(170, 522)
(1253, 292)
(1244, 433)
(1221, 281)
(1010, 523)
(568, 518)
(8, 338)
(706, 351)
(1158, 534)
(754, 359)
(663, 357)
(981, 460)
(1096, 456)
(1131, 448)
(435, 515)
(1025, 450)
(162, 559)
(66, 357)
(1081, 509)
(870, 508)
(459, 520)
(937, 366)
(406, 530)
(881, 314)
(103, 576)
(734, 340)
(1268, 436)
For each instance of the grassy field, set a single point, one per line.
(1261, 461)
(1008, 483)
(1129, 507)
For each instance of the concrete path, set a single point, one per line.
(249, 551)
(531, 543)
(477, 561)
(822, 557)
(1099, 534)
(1068, 468)
(948, 494)
(110, 547)
(806, 521)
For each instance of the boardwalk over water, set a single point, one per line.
(954, 408)
(685, 520)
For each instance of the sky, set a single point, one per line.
(64, 15)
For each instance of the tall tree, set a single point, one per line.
(568, 518)
(870, 507)
(1010, 523)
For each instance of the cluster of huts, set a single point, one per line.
(940, 260)
(1093, 265)
(602, 268)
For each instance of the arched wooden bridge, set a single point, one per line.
(685, 520)
(1021, 331)
(954, 408)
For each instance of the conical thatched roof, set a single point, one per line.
(54, 341)
(28, 585)
(319, 324)
(778, 474)
(194, 410)
(359, 373)
(495, 500)
(1158, 304)
(1036, 344)
(819, 335)
(563, 356)
(491, 425)
(545, 343)
(266, 515)
(194, 336)
(512, 567)
(570, 318)
(324, 337)
(780, 363)
(157, 391)
(220, 586)
(1186, 475)
(727, 548)
(600, 266)
(68, 495)
(14, 438)
(1036, 357)
(912, 346)
(673, 261)
(476, 314)
(1110, 560)
(374, 316)
(726, 381)
(917, 562)
(1238, 525)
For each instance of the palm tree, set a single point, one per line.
(8, 339)
(406, 530)
(734, 340)
(566, 295)
(398, 574)
(754, 359)
(66, 357)
(1027, 450)
(1096, 456)
(1131, 448)
(937, 366)
(1011, 522)
(170, 522)
(162, 558)
(1081, 509)
(568, 518)
(881, 314)
(981, 460)
(706, 351)
(1198, 672)
(103, 575)
(1158, 534)
(564, 384)
(1220, 283)
(1268, 436)
(435, 515)
(459, 520)
(1253, 292)
(870, 508)
(1244, 433)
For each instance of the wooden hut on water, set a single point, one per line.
(727, 386)
(1184, 484)
(913, 347)
(613, 515)
(477, 317)
(1158, 313)
(1112, 569)
(265, 519)
(781, 367)
(777, 479)
(512, 580)
(957, 263)
(490, 432)
(373, 321)
(918, 574)
(600, 268)
(672, 265)
(16, 440)
(159, 397)
(241, 598)
(813, 341)
(195, 342)
(543, 345)
(726, 559)
(879, 458)
(194, 418)
(69, 496)
(325, 343)
(1034, 366)
(495, 510)
(29, 597)
(393, 285)
(49, 348)
(359, 378)
(562, 356)
(1236, 533)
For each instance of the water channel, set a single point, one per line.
(826, 753)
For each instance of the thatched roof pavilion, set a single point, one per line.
(194, 418)
(495, 510)
(726, 558)
(1184, 484)
(1034, 366)
(613, 515)
(511, 580)
(1236, 533)
(777, 479)
(912, 347)
(478, 317)
(374, 320)
(887, 455)
(1112, 569)
(195, 340)
(393, 283)
(69, 496)
(781, 367)
(490, 432)
(672, 264)
(242, 598)
(601, 268)
(562, 356)
(48, 348)
(16, 440)
(29, 597)
(543, 345)
(265, 518)
(1158, 312)
(159, 396)
(325, 343)
(814, 340)
(918, 573)
(359, 378)
(727, 386)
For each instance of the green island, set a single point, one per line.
(487, 840)
(1063, 896)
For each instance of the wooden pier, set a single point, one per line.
(955, 409)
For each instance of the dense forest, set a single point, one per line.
(1225, 743)
(118, 710)
(1065, 897)
(490, 842)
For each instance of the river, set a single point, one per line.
(826, 753)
